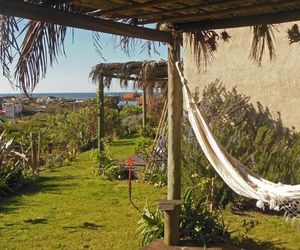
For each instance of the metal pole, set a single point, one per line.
(171, 236)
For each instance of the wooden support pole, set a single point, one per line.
(34, 152)
(144, 107)
(101, 125)
(171, 236)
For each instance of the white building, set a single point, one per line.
(11, 108)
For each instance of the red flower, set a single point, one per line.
(129, 161)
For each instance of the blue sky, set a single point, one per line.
(71, 74)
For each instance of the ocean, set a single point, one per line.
(77, 96)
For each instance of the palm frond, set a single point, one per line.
(8, 42)
(263, 35)
(97, 45)
(294, 34)
(42, 44)
(203, 45)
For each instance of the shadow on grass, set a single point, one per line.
(85, 225)
(122, 143)
(36, 221)
(270, 245)
(49, 184)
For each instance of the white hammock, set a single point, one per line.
(237, 176)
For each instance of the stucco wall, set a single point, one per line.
(275, 84)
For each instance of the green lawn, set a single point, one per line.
(73, 209)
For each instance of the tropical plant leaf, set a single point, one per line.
(263, 35)
(294, 34)
(203, 44)
(8, 42)
(42, 44)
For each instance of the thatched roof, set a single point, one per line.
(144, 74)
(172, 11)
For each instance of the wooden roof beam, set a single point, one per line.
(282, 17)
(231, 11)
(50, 15)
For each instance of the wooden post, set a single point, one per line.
(171, 236)
(144, 107)
(101, 128)
(34, 152)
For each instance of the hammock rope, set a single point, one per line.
(237, 176)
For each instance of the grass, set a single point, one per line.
(270, 231)
(124, 147)
(73, 209)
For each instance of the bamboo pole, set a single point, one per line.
(171, 236)
(101, 126)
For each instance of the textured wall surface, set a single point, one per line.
(275, 84)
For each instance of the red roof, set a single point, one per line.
(130, 96)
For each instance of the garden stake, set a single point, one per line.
(129, 163)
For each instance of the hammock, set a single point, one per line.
(237, 176)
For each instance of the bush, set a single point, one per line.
(54, 161)
(12, 173)
(11, 179)
(251, 135)
(107, 167)
(146, 131)
(197, 225)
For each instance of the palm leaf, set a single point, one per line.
(8, 42)
(203, 45)
(42, 44)
(263, 35)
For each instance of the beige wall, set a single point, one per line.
(275, 84)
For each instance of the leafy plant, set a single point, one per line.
(146, 131)
(250, 134)
(12, 172)
(54, 161)
(197, 225)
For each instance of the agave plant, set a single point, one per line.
(11, 166)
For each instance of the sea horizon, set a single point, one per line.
(70, 95)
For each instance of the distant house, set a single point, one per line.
(130, 96)
(129, 99)
(12, 109)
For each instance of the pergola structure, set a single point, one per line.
(127, 18)
(144, 74)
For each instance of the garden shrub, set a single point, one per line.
(54, 161)
(250, 134)
(146, 131)
(197, 224)
(12, 173)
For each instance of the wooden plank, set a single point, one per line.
(168, 205)
(50, 15)
(287, 16)
(132, 7)
(193, 8)
(171, 225)
(215, 14)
